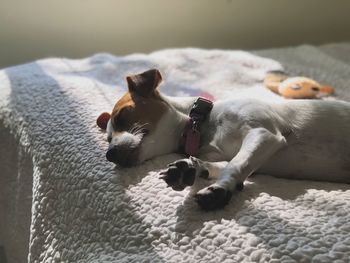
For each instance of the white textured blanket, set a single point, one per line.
(83, 209)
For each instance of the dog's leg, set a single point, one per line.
(257, 147)
(184, 172)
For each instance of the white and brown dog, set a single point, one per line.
(303, 139)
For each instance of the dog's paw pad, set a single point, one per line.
(204, 174)
(213, 197)
(189, 176)
(182, 164)
(179, 174)
(170, 175)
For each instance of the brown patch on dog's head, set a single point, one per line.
(144, 84)
(141, 105)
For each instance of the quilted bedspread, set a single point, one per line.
(61, 201)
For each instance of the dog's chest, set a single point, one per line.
(222, 134)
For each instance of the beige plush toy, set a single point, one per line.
(295, 87)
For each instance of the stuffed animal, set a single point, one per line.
(102, 120)
(295, 87)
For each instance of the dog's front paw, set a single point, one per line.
(213, 197)
(179, 174)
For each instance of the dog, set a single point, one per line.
(228, 140)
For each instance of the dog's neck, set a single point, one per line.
(182, 104)
(180, 110)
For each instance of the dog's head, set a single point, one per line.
(140, 125)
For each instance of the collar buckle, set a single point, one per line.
(201, 108)
(195, 125)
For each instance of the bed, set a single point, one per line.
(61, 201)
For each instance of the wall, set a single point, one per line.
(41, 28)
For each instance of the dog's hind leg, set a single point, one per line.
(258, 146)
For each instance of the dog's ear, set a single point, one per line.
(102, 120)
(145, 83)
(274, 78)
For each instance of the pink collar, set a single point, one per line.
(190, 140)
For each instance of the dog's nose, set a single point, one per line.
(111, 154)
(120, 155)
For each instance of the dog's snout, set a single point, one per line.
(122, 156)
(111, 154)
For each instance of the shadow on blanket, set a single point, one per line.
(72, 195)
(268, 224)
(16, 173)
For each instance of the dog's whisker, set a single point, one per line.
(134, 128)
(138, 129)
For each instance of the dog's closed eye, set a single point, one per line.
(120, 120)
